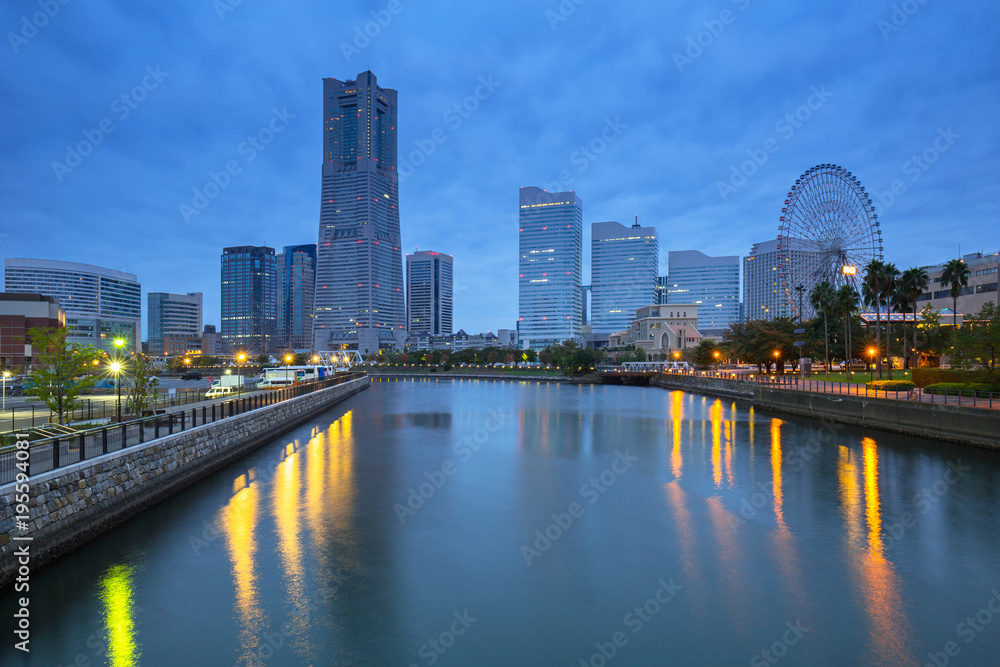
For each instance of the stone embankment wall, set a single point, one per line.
(705, 385)
(966, 425)
(71, 505)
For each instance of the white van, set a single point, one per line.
(219, 392)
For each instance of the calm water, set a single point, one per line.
(480, 523)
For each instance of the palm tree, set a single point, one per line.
(845, 303)
(956, 276)
(821, 299)
(913, 282)
(889, 275)
(872, 292)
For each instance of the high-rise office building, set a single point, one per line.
(172, 315)
(249, 303)
(661, 290)
(550, 275)
(296, 289)
(359, 269)
(624, 262)
(101, 305)
(429, 293)
(764, 296)
(711, 282)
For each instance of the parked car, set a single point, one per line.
(191, 376)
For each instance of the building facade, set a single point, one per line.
(624, 263)
(711, 282)
(18, 313)
(982, 288)
(101, 305)
(429, 293)
(172, 315)
(296, 290)
(359, 270)
(249, 304)
(764, 296)
(663, 332)
(550, 275)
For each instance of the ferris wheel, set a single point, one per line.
(828, 230)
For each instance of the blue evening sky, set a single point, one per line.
(683, 90)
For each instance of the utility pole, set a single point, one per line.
(800, 288)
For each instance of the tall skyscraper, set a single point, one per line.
(359, 269)
(101, 305)
(550, 276)
(172, 315)
(624, 262)
(249, 302)
(711, 282)
(429, 293)
(296, 290)
(763, 294)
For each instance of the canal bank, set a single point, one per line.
(472, 376)
(952, 423)
(73, 504)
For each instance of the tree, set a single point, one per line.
(821, 298)
(140, 383)
(889, 276)
(704, 353)
(932, 336)
(912, 284)
(956, 276)
(877, 283)
(977, 345)
(845, 303)
(262, 359)
(63, 372)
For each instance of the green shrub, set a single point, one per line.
(952, 388)
(889, 385)
(923, 377)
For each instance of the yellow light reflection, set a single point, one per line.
(239, 522)
(875, 576)
(715, 414)
(287, 488)
(117, 597)
(779, 514)
(727, 433)
(677, 418)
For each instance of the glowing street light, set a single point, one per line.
(288, 360)
(240, 358)
(6, 374)
(871, 367)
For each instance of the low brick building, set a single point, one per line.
(18, 313)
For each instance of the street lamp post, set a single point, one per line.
(240, 358)
(871, 367)
(6, 374)
(777, 360)
(116, 368)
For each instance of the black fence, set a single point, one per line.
(50, 453)
(978, 399)
(36, 414)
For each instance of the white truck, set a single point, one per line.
(277, 378)
(233, 381)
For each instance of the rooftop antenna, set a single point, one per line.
(636, 225)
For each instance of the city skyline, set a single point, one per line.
(201, 133)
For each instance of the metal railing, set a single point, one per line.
(23, 418)
(978, 399)
(49, 453)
